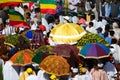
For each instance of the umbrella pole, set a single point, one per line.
(21, 69)
(66, 7)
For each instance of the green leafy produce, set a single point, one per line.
(45, 48)
(12, 39)
(91, 38)
(18, 40)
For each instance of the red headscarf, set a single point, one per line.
(42, 28)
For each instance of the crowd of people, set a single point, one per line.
(81, 12)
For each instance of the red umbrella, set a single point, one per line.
(65, 50)
(68, 51)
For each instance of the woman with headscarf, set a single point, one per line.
(37, 39)
(98, 73)
(115, 50)
(116, 29)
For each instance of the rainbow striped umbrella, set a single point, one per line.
(94, 50)
(22, 57)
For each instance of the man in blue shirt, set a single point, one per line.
(107, 38)
(99, 31)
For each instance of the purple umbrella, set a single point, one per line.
(94, 50)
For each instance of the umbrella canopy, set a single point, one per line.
(17, 39)
(22, 57)
(91, 38)
(65, 50)
(56, 65)
(44, 48)
(94, 50)
(2, 36)
(70, 52)
(41, 53)
(67, 33)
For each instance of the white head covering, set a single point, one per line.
(74, 70)
(100, 64)
(66, 17)
(31, 77)
(35, 65)
(75, 19)
(7, 20)
(41, 75)
(112, 50)
(115, 25)
(20, 10)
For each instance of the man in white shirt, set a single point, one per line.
(72, 4)
(117, 30)
(90, 28)
(94, 20)
(116, 51)
(9, 72)
(74, 74)
(8, 30)
(33, 24)
(85, 75)
(32, 77)
(41, 75)
(87, 5)
(19, 9)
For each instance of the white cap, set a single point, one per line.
(66, 17)
(1, 21)
(74, 70)
(35, 65)
(100, 65)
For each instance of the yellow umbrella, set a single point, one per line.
(67, 33)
